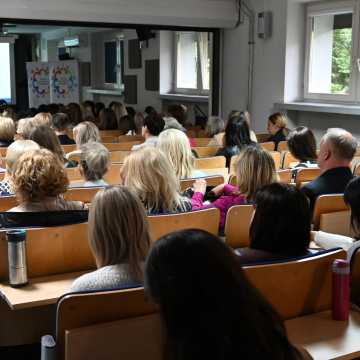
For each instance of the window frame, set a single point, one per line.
(199, 89)
(119, 85)
(329, 8)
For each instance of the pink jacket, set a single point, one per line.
(224, 203)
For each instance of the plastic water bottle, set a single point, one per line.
(340, 290)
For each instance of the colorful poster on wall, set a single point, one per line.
(38, 83)
(64, 84)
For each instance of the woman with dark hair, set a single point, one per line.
(107, 120)
(281, 225)
(209, 309)
(98, 107)
(236, 138)
(302, 145)
(74, 112)
(126, 125)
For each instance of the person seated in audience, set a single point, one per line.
(215, 129)
(119, 240)
(150, 175)
(139, 123)
(88, 111)
(24, 128)
(42, 118)
(208, 307)
(13, 153)
(237, 137)
(107, 120)
(126, 125)
(94, 164)
(61, 123)
(179, 112)
(153, 125)
(277, 128)
(172, 123)
(302, 146)
(39, 180)
(98, 107)
(255, 168)
(46, 138)
(149, 110)
(252, 133)
(337, 149)
(75, 114)
(7, 131)
(281, 225)
(176, 147)
(119, 109)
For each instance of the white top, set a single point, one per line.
(105, 278)
(150, 141)
(330, 241)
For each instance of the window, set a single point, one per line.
(332, 51)
(192, 63)
(114, 63)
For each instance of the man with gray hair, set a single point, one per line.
(337, 149)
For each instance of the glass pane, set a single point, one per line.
(187, 58)
(5, 81)
(331, 54)
(110, 62)
(204, 59)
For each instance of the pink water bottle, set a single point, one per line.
(340, 290)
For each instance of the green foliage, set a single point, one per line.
(341, 61)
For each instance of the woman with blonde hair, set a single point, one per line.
(13, 153)
(277, 128)
(176, 147)
(119, 109)
(150, 175)
(119, 240)
(43, 118)
(39, 179)
(7, 131)
(254, 169)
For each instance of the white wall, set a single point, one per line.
(269, 67)
(207, 13)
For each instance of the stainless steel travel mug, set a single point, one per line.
(17, 257)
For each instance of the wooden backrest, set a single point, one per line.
(119, 156)
(262, 137)
(237, 226)
(68, 148)
(269, 146)
(135, 338)
(129, 138)
(201, 141)
(336, 223)
(112, 177)
(75, 311)
(283, 146)
(207, 220)
(288, 159)
(50, 251)
(211, 162)
(357, 169)
(206, 151)
(285, 176)
(82, 194)
(210, 180)
(123, 146)
(233, 163)
(296, 288)
(7, 202)
(326, 204)
(3, 151)
(109, 139)
(277, 159)
(306, 175)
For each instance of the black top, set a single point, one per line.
(333, 181)
(278, 137)
(230, 151)
(5, 143)
(65, 140)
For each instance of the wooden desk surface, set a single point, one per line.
(40, 291)
(221, 171)
(325, 338)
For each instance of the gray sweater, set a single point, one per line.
(105, 278)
